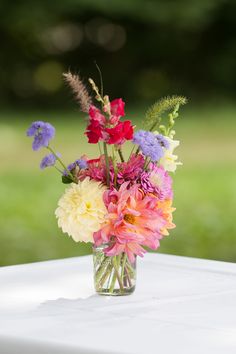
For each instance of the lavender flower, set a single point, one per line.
(42, 132)
(48, 161)
(71, 166)
(163, 141)
(81, 163)
(140, 136)
(149, 144)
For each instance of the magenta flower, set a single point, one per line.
(157, 181)
(131, 170)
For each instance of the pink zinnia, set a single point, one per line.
(133, 220)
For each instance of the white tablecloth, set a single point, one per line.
(181, 305)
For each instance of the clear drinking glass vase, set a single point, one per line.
(114, 275)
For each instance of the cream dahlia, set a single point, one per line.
(81, 210)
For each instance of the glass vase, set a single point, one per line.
(114, 275)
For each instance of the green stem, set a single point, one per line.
(100, 75)
(113, 281)
(114, 166)
(107, 163)
(116, 268)
(130, 268)
(58, 169)
(146, 163)
(128, 277)
(101, 269)
(123, 265)
(131, 152)
(121, 155)
(137, 150)
(108, 282)
(106, 274)
(63, 165)
(100, 150)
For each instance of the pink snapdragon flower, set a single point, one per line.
(133, 220)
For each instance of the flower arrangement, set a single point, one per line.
(121, 205)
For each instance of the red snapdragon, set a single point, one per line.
(94, 131)
(110, 129)
(120, 133)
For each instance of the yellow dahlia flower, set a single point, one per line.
(81, 210)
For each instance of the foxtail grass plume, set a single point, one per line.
(80, 91)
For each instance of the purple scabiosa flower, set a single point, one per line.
(42, 132)
(48, 161)
(148, 144)
(157, 181)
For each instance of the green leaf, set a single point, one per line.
(66, 179)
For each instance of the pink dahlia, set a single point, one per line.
(133, 220)
(157, 181)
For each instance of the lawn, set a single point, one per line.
(205, 193)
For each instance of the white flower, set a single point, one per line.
(169, 160)
(81, 210)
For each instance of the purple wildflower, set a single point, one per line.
(162, 141)
(71, 166)
(48, 161)
(42, 132)
(82, 163)
(148, 144)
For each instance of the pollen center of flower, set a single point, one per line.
(88, 205)
(129, 218)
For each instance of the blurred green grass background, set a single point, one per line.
(205, 193)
